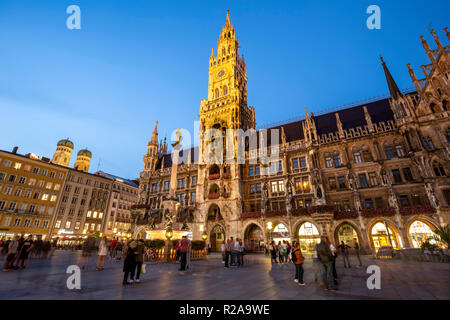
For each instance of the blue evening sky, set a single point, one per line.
(135, 62)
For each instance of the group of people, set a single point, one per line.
(281, 251)
(17, 252)
(324, 259)
(233, 252)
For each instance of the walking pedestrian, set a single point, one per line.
(24, 252)
(326, 259)
(119, 250)
(177, 251)
(140, 250)
(235, 251)
(355, 241)
(344, 250)
(316, 265)
(129, 262)
(222, 249)
(334, 253)
(298, 259)
(11, 254)
(284, 251)
(112, 249)
(102, 252)
(88, 247)
(184, 249)
(279, 252)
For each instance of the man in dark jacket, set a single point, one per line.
(326, 260)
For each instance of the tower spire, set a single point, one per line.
(154, 139)
(393, 89)
(227, 21)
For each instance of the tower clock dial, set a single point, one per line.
(221, 73)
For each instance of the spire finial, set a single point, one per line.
(393, 89)
(228, 22)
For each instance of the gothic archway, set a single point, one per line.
(216, 237)
(254, 238)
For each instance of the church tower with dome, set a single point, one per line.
(63, 152)
(83, 160)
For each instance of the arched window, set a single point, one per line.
(438, 169)
(225, 90)
(217, 93)
(428, 143)
(434, 107)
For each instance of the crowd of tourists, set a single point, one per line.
(17, 250)
(324, 259)
(233, 253)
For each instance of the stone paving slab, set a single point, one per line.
(208, 279)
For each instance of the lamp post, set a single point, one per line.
(169, 235)
(204, 237)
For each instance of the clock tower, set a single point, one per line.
(219, 186)
(226, 106)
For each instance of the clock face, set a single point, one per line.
(221, 73)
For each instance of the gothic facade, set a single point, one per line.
(377, 172)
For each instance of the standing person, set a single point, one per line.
(54, 246)
(227, 253)
(280, 252)
(102, 252)
(177, 251)
(241, 252)
(357, 251)
(5, 246)
(326, 259)
(222, 249)
(232, 252)
(298, 259)
(140, 250)
(289, 250)
(285, 251)
(184, 249)
(24, 252)
(119, 248)
(112, 249)
(129, 262)
(344, 250)
(273, 252)
(11, 254)
(334, 253)
(316, 265)
(236, 247)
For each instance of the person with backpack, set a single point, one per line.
(326, 260)
(273, 252)
(298, 259)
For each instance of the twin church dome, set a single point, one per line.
(63, 154)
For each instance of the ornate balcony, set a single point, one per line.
(212, 196)
(214, 176)
(380, 212)
(251, 215)
(410, 210)
(225, 175)
(226, 195)
(275, 213)
(298, 212)
(351, 214)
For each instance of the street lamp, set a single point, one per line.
(270, 227)
(169, 233)
(204, 235)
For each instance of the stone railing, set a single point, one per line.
(225, 175)
(158, 255)
(226, 195)
(213, 196)
(275, 213)
(298, 212)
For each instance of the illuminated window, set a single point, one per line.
(45, 196)
(68, 223)
(17, 165)
(53, 198)
(58, 224)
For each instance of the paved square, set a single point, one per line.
(208, 279)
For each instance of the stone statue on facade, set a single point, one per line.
(431, 195)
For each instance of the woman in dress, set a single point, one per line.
(129, 262)
(102, 252)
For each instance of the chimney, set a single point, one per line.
(15, 149)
